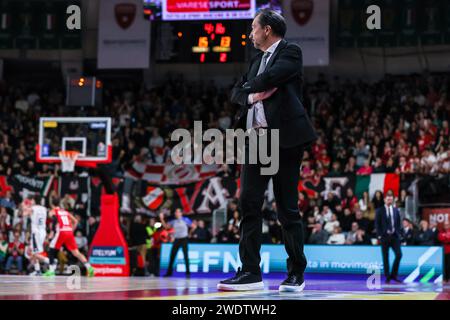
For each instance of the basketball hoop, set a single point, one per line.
(68, 159)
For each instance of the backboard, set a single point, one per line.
(91, 136)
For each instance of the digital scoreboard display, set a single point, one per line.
(203, 41)
(208, 9)
(178, 10)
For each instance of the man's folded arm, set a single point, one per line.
(288, 64)
(238, 94)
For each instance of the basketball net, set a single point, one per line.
(68, 159)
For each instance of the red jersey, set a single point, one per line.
(64, 223)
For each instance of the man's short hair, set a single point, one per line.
(267, 17)
(55, 201)
(37, 198)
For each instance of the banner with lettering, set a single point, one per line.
(24, 186)
(438, 216)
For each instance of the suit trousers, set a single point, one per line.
(285, 184)
(391, 241)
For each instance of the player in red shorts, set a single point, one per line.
(64, 236)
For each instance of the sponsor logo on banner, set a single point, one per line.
(154, 198)
(419, 263)
(302, 10)
(438, 216)
(125, 14)
(107, 255)
(110, 270)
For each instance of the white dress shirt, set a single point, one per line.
(259, 107)
(390, 215)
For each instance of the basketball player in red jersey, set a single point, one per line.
(64, 236)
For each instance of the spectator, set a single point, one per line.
(408, 233)
(318, 235)
(364, 202)
(275, 231)
(156, 141)
(361, 153)
(3, 250)
(7, 201)
(350, 200)
(5, 220)
(351, 236)
(310, 225)
(161, 235)
(303, 202)
(425, 236)
(16, 250)
(92, 225)
(365, 169)
(331, 201)
(337, 237)
(378, 200)
(361, 238)
(199, 233)
(435, 232)
(332, 224)
(235, 221)
(81, 241)
(326, 214)
(346, 220)
(363, 223)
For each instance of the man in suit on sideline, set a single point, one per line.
(270, 98)
(389, 232)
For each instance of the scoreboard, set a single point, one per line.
(208, 9)
(202, 41)
(189, 10)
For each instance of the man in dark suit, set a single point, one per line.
(390, 233)
(270, 98)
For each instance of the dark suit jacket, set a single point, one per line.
(284, 109)
(381, 222)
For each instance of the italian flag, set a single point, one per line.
(377, 181)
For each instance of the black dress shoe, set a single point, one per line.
(242, 281)
(168, 274)
(293, 283)
(387, 280)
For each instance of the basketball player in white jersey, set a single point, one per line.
(38, 214)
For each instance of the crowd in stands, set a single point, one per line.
(398, 124)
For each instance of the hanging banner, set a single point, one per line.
(24, 186)
(171, 174)
(438, 216)
(123, 36)
(308, 23)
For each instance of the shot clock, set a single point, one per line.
(203, 41)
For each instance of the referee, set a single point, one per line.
(180, 226)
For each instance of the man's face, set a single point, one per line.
(389, 199)
(178, 214)
(259, 34)
(405, 224)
